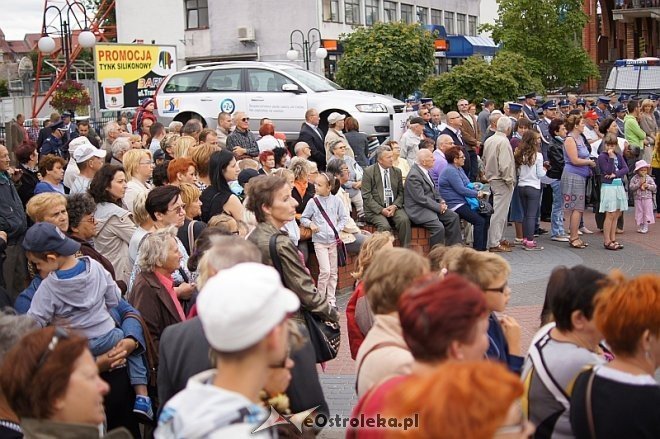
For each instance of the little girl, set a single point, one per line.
(325, 232)
(645, 188)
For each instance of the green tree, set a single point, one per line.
(506, 77)
(549, 33)
(4, 89)
(387, 58)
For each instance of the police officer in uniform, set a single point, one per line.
(528, 108)
(620, 111)
(543, 125)
(564, 108)
(602, 108)
(514, 114)
(581, 104)
(53, 143)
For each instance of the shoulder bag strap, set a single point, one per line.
(191, 237)
(149, 348)
(274, 257)
(590, 410)
(327, 218)
(384, 344)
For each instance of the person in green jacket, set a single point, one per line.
(635, 136)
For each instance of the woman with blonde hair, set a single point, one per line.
(191, 228)
(182, 146)
(359, 318)
(49, 207)
(139, 168)
(648, 123)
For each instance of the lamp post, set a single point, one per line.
(306, 45)
(86, 38)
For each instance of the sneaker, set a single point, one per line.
(531, 246)
(586, 231)
(143, 407)
(560, 238)
(640, 229)
(645, 228)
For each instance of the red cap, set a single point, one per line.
(591, 114)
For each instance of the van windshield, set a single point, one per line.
(313, 81)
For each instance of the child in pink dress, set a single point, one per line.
(645, 188)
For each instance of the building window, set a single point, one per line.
(352, 11)
(331, 10)
(422, 15)
(371, 12)
(406, 13)
(197, 14)
(460, 24)
(472, 25)
(436, 17)
(389, 12)
(449, 22)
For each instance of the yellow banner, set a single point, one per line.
(127, 62)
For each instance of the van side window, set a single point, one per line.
(224, 80)
(266, 80)
(185, 82)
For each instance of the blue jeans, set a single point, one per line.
(529, 196)
(137, 369)
(557, 217)
(480, 224)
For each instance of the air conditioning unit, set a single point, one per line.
(246, 33)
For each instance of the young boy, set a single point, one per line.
(77, 293)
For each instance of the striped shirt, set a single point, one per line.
(244, 139)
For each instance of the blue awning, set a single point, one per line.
(463, 46)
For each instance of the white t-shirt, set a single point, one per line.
(531, 175)
(80, 185)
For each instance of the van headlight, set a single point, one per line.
(371, 108)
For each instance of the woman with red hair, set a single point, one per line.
(51, 381)
(268, 141)
(441, 320)
(181, 170)
(622, 398)
(460, 400)
(267, 161)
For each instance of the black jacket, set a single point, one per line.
(27, 183)
(12, 214)
(556, 159)
(316, 144)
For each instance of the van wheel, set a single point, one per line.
(185, 117)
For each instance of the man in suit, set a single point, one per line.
(314, 137)
(529, 107)
(482, 120)
(425, 207)
(382, 193)
(453, 130)
(471, 136)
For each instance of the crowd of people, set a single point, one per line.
(159, 285)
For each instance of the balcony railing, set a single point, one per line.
(629, 10)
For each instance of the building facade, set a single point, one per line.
(214, 30)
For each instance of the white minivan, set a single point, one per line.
(279, 91)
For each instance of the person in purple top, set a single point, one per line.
(442, 145)
(613, 197)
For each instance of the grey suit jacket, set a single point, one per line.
(422, 199)
(373, 191)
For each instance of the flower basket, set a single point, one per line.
(70, 95)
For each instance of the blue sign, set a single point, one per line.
(228, 106)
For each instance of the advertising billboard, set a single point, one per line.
(126, 74)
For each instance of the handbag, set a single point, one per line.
(485, 208)
(325, 336)
(342, 254)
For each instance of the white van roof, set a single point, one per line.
(636, 76)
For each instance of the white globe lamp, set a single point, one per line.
(292, 54)
(46, 45)
(321, 53)
(87, 39)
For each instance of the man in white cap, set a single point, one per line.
(335, 127)
(244, 312)
(89, 160)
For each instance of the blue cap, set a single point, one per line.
(564, 103)
(59, 125)
(549, 105)
(159, 154)
(515, 107)
(604, 99)
(620, 108)
(67, 114)
(624, 97)
(539, 111)
(581, 101)
(654, 96)
(426, 100)
(531, 95)
(46, 237)
(520, 98)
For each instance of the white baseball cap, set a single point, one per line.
(335, 117)
(239, 306)
(78, 141)
(86, 151)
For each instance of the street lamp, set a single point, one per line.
(86, 38)
(313, 37)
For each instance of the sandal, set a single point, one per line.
(618, 246)
(611, 246)
(577, 243)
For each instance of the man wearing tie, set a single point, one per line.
(530, 107)
(453, 130)
(382, 193)
(425, 207)
(312, 135)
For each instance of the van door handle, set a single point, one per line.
(206, 99)
(257, 99)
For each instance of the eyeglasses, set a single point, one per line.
(245, 119)
(501, 289)
(178, 209)
(91, 219)
(60, 334)
(460, 157)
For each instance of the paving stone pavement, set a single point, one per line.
(528, 280)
